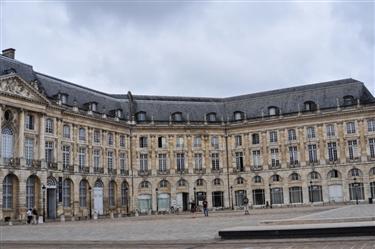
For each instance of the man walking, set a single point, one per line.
(205, 208)
(246, 204)
(29, 216)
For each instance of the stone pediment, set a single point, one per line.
(13, 85)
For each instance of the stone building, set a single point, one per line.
(67, 149)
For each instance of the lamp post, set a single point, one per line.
(90, 212)
(356, 190)
(157, 202)
(311, 192)
(269, 185)
(231, 193)
(44, 202)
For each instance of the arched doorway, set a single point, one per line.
(51, 197)
(98, 196)
(32, 192)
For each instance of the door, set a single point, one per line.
(179, 200)
(98, 200)
(185, 201)
(51, 203)
(335, 193)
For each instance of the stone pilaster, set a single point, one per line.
(21, 130)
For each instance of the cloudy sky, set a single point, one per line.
(191, 48)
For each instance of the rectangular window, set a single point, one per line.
(29, 151)
(180, 157)
(49, 151)
(82, 134)
(371, 125)
(277, 196)
(143, 142)
(29, 122)
(162, 162)
(293, 155)
(110, 139)
(66, 131)
(122, 161)
(66, 156)
(371, 142)
(122, 141)
(198, 161)
(313, 157)
(162, 142)
(332, 152)
(197, 141)
(143, 162)
(295, 195)
(215, 142)
(275, 157)
(110, 160)
(311, 132)
(273, 136)
(238, 140)
(96, 136)
(215, 161)
(330, 129)
(256, 158)
(350, 127)
(96, 158)
(49, 126)
(179, 142)
(82, 157)
(239, 161)
(255, 138)
(353, 149)
(292, 135)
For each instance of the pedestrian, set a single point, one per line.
(35, 216)
(205, 208)
(246, 204)
(29, 216)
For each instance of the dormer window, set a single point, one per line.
(238, 115)
(141, 116)
(118, 113)
(177, 116)
(348, 100)
(211, 117)
(273, 110)
(309, 106)
(93, 106)
(63, 98)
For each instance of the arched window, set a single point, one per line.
(144, 184)
(372, 172)
(309, 106)
(200, 182)
(217, 181)
(98, 184)
(82, 134)
(30, 192)
(181, 183)
(141, 116)
(275, 178)
(211, 117)
(8, 192)
(257, 179)
(273, 110)
(239, 180)
(177, 116)
(348, 100)
(238, 115)
(66, 193)
(83, 194)
(333, 174)
(355, 172)
(163, 184)
(111, 194)
(294, 177)
(314, 175)
(7, 143)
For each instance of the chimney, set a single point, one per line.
(9, 52)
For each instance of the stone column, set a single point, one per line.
(1, 137)
(58, 133)
(21, 135)
(362, 148)
(42, 140)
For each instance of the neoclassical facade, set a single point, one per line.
(68, 150)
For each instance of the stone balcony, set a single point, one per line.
(220, 170)
(199, 171)
(13, 162)
(164, 172)
(183, 171)
(112, 171)
(144, 172)
(124, 172)
(52, 165)
(68, 168)
(84, 170)
(99, 170)
(257, 168)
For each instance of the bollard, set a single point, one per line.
(62, 218)
(111, 215)
(40, 220)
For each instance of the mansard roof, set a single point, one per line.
(159, 108)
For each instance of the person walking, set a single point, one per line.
(29, 216)
(205, 208)
(246, 205)
(35, 216)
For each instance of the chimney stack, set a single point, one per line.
(9, 52)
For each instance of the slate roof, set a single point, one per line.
(159, 108)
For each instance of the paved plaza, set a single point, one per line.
(178, 231)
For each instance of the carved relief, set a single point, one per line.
(15, 87)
